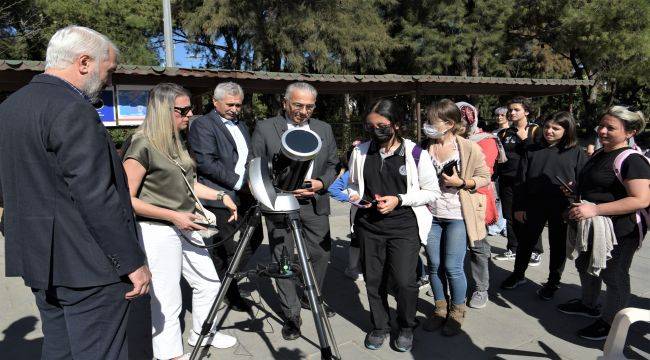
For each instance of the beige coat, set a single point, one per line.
(473, 204)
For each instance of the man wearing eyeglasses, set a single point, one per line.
(299, 104)
(221, 145)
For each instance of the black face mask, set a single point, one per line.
(382, 134)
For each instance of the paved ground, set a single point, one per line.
(515, 325)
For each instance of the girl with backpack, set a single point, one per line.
(615, 185)
(391, 181)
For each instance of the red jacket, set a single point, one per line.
(491, 152)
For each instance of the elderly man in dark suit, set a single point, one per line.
(69, 227)
(299, 103)
(222, 148)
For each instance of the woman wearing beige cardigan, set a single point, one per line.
(458, 214)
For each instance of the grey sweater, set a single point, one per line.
(601, 230)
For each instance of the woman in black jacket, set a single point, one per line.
(539, 198)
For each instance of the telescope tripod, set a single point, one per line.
(323, 328)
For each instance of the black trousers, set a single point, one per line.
(545, 210)
(222, 255)
(389, 259)
(513, 227)
(84, 323)
(316, 236)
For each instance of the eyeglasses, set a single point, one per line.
(183, 110)
(308, 107)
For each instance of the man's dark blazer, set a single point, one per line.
(68, 216)
(267, 141)
(215, 152)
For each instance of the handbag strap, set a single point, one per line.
(189, 186)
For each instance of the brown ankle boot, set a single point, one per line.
(454, 320)
(437, 319)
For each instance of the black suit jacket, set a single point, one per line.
(267, 142)
(68, 216)
(216, 155)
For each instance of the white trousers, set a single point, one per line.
(169, 256)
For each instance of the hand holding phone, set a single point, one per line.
(448, 168)
(567, 188)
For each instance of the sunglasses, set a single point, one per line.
(183, 110)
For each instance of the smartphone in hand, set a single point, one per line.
(566, 186)
(448, 168)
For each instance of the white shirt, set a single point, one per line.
(242, 150)
(304, 126)
(447, 206)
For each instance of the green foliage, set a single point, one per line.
(120, 134)
(317, 36)
(602, 40)
(129, 24)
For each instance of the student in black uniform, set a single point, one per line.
(391, 181)
(515, 139)
(603, 194)
(539, 198)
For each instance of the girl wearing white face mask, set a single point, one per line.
(458, 214)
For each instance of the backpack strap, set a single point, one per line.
(417, 151)
(642, 215)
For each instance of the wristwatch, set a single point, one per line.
(399, 200)
(220, 195)
(463, 185)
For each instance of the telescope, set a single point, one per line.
(272, 184)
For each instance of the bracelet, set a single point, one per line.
(399, 200)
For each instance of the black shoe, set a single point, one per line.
(513, 281)
(404, 341)
(304, 303)
(547, 291)
(576, 307)
(291, 328)
(375, 339)
(240, 305)
(596, 331)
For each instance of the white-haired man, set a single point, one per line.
(299, 103)
(221, 145)
(69, 227)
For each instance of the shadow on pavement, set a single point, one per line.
(15, 346)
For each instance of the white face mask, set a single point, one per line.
(433, 133)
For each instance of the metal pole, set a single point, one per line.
(167, 26)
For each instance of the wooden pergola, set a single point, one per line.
(17, 73)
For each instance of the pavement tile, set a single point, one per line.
(514, 325)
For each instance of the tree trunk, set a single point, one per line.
(347, 112)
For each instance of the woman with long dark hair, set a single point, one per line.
(391, 181)
(539, 198)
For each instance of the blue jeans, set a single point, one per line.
(446, 248)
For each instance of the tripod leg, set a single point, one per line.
(310, 285)
(326, 321)
(225, 284)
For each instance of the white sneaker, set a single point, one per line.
(217, 340)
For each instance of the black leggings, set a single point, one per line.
(550, 211)
(513, 227)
